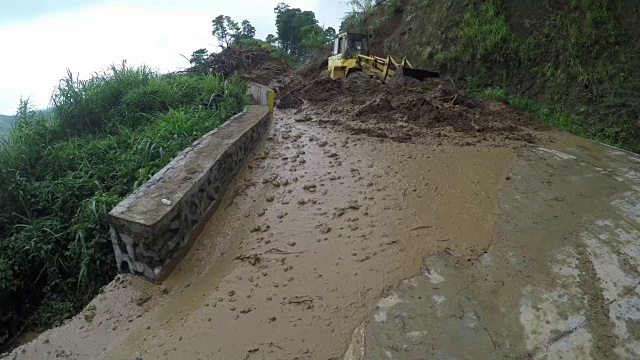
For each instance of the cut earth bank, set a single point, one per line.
(343, 240)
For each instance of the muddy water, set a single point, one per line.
(312, 232)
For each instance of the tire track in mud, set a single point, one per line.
(597, 308)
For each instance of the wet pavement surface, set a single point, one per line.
(560, 281)
(335, 246)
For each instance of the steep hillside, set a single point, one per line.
(5, 123)
(571, 63)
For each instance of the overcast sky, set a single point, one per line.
(40, 39)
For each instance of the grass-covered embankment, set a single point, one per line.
(577, 61)
(570, 63)
(62, 172)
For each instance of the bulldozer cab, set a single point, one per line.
(347, 45)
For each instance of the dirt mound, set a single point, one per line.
(432, 108)
(290, 102)
(254, 64)
(318, 62)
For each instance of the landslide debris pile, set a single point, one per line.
(410, 111)
(571, 64)
(254, 64)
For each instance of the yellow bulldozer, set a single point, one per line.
(351, 54)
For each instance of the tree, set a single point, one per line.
(313, 38)
(280, 8)
(198, 60)
(290, 23)
(330, 34)
(271, 39)
(221, 30)
(228, 31)
(362, 6)
(199, 56)
(248, 31)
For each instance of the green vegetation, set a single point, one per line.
(554, 115)
(367, 16)
(298, 32)
(61, 172)
(579, 57)
(275, 51)
(485, 35)
(299, 36)
(229, 32)
(5, 123)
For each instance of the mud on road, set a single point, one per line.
(374, 236)
(316, 227)
(431, 111)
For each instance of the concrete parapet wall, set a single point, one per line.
(156, 225)
(262, 95)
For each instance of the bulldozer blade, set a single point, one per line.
(418, 74)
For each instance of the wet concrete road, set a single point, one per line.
(560, 280)
(332, 246)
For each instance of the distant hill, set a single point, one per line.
(5, 123)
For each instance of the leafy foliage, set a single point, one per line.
(366, 16)
(362, 6)
(227, 31)
(580, 57)
(247, 32)
(198, 60)
(5, 123)
(271, 39)
(62, 171)
(554, 115)
(298, 31)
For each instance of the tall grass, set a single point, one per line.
(61, 172)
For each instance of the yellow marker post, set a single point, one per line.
(271, 100)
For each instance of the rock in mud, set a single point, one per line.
(260, 228)
(143, 299)
(324, 229)
(245, 310)
(310, 187)
(90, 313)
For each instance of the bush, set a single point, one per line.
(61, 173)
